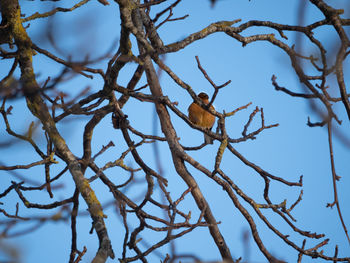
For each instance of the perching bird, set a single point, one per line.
(201, 117)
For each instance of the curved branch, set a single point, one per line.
(10, 10)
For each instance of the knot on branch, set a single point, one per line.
(118, 121)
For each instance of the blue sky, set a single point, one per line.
(288, 151)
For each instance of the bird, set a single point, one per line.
(202, 117)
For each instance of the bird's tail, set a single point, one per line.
(208, 139)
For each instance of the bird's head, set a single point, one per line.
(203, 96)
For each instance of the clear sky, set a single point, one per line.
(290, 150)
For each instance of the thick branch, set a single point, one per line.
(170, 134)
(10, 10)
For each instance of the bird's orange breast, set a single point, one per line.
(201, 117)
